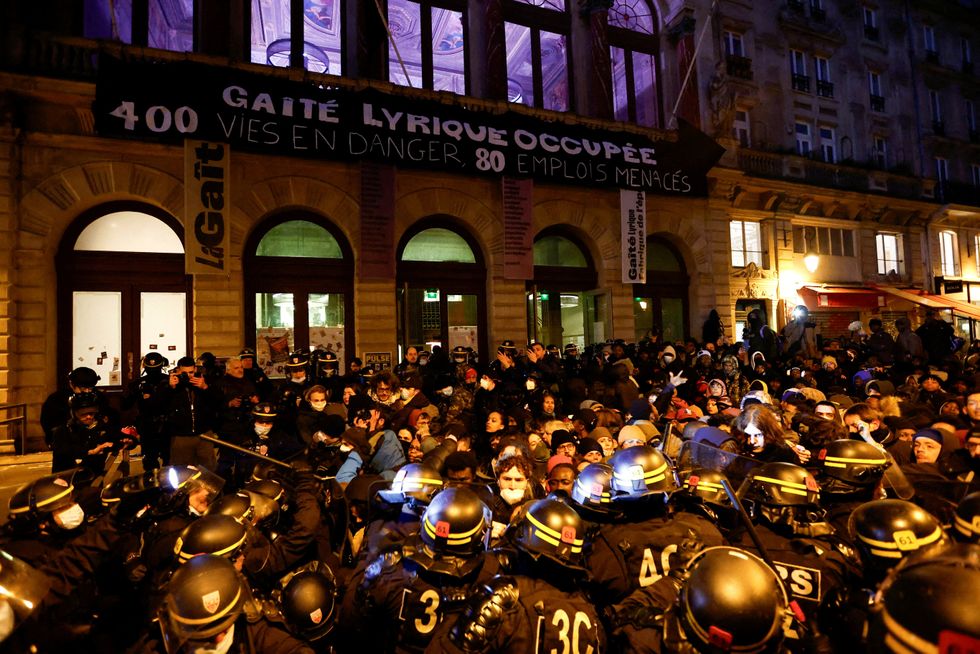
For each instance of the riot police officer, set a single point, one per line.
(148, 422)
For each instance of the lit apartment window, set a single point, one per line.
(890, 250)
(733, 44)
(797, 65)
(746, 243)
(740, 128)
(803, 142)
(949, 254)
(828, 148)
(879, 151)
(830, 241)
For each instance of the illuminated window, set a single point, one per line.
(890, 250)
(441, 64)
(746, 243)
(949, 254)
(319, 44)
(536, 39)
(633, 55)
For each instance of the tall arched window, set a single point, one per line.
(319, 46)
(122, 291)
(298, 290)
(633, 53)
(660, 305)
(430, 39)
(536, 35)
(441, 288)
(562, 306)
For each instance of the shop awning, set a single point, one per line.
(841, 297)
(930, 301)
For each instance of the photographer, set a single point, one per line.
(799, 335)
(239, 395)
(190, 408)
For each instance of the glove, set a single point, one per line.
(676, 380)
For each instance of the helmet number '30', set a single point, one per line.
(569, 629)
(653, 569)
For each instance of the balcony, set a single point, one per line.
(939, 128)
(872, 33)
(878, 103)
(932, 56)
(818, 14)
(825, 89)
(740, 67)
(801, 83)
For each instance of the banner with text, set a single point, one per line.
(632, 207)
(518, 228)
(207, 231)
(266, 114)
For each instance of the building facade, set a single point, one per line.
(849, 133)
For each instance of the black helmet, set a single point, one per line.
(204, 598)
(966, 521)
(928, 603)
(297, 360)
(84, 400)
(268, 487)
(592, 489)
(731, 601)
(641, 471)
(221, 535)
(83, 377)
(247, 353)
(264, 411)
(885, 531)
(415, 483)
(43, 495)
(782, 493)
(508, 347)
(460, 355)
(154, 361)
(571, 349)
(455, 529)
(549, 528)
(553, 349)
(849, 466)
(238, 506)
(308, 601)
(706, 485)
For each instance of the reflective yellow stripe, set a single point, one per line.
(38, 505)
(187, 556)
(830, 464)
(901, 640)
(794, 491)
(211, 618)
(919, 542)
(780, 482)
(551, 532)
(967, 528)
(457, 538)
(710, 484)
(870, 462)
(422, 480)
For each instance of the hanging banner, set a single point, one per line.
(270, 114)
(207, 231)
(632, 208)
(377, 258)
(518, 236)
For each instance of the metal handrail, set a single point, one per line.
(22, 419)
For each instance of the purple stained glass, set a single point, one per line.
(520, 74)
(554, 71)
(633, 15)
(645, 85)
(621, 110)
(404, 20)
(171, 25)
(113, 20)
(270, 32)
(322, 30)
(448, 51)
(557, 5)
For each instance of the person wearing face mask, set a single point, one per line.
(313, 414)
(87, 439)
(43, 515)
(412, 399)
(289, 395)
(515, 484)
(355, 449)
(271, 439)
(385, 453)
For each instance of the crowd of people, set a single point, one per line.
(782, 492)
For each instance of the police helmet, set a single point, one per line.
(247, 353)
(460, 355)
(83, 377)
(248, 507)
(308, 601)
(455, 529)
(641, 471)
(781, 493)
(508, 347)
(571, 350)
(592, 489)
(553, 349)
(264, 412)
(551, 529)
(706, 485)
(297, 360)
(221, 535)
(204, 598)
(46, 494)
(271, 489)
(966, 520)
(731, 601)
(849, 466)
(415, 483)
(886, 531)
(928, 603)
(154, 361)
(83, 400)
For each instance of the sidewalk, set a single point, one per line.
(19, 459)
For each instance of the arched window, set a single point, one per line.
(660, 305)
(298, 290)
(430, 40)
(562, 306)
(319, 44)
(122, 291)
(441, 288)
(633, 52)
(536, 37)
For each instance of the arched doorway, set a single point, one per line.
(299, 274)
(121, 282)
(562, 306)
(661, 304)
(441, 288)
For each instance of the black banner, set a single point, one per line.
(172, 101)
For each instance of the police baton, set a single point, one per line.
(747, 521)
(245, 450)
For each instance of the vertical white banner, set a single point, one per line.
(207, 231)
(632, 207)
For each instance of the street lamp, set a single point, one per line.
(811, 260)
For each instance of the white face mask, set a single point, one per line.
(70, 518)
(529, 384)
(485, 383)
(262, 430)
(329, 372)
(512, 495)
(319, 406)
(668, 358)
(447, 391)
(221, 648)
(346, 448)
(299, 380)
(406, 394)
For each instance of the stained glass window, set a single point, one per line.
(557, 5)
(633, 53)
(442, 65)
(537, 56)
